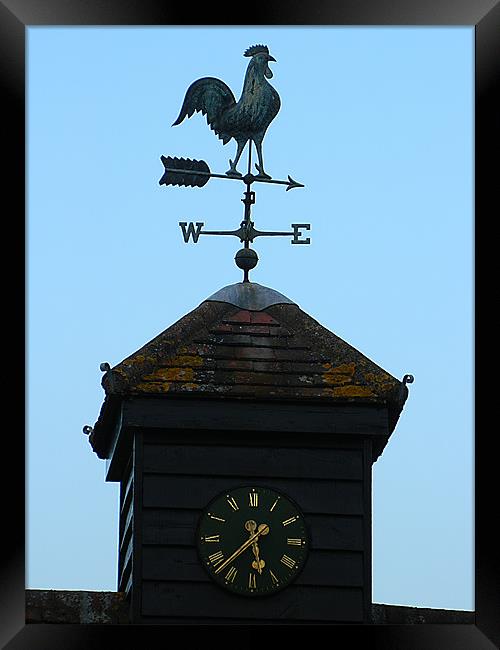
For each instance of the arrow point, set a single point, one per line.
(292, 183)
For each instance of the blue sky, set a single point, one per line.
(378, 125)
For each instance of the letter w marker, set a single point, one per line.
(190, 230)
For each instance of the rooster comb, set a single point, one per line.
(255, 49)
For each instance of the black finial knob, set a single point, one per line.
(246, 259)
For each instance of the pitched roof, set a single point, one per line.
(227, 350)
(247, 342)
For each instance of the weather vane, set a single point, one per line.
(246, 121)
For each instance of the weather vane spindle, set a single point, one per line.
(246, 121)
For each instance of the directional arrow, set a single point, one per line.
(290, 183)
(196, 173)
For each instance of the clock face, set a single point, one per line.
(252, 540)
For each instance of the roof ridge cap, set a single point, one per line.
(249, 295)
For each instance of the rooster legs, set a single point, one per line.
(260, 166)
(232, 171)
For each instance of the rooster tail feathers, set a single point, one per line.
(182, 115)
(186, 110)
(210, 96)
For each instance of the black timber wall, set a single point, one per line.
(171, 481)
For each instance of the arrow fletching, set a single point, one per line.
(185, 172)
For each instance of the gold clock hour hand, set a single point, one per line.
(257, 563)
(250, 525)
(263, 529)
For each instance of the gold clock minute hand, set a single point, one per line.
(262, 530)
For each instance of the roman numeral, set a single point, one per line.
(211, 538)
(231, 574)
(252, 582)
(274, 578)
(216, 558)
(287, 561)
(232, 502)
(190, 231)
(215, 517)
(290, 521)
(254, 499)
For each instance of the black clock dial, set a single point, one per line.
(252, 540)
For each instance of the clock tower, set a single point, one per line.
(243, 438)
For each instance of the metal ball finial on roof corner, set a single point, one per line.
(245, 121)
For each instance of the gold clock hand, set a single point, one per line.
(250, 525)
(263, 529)
(257, 563)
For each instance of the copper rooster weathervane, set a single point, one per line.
(246, 121)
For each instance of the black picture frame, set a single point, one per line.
(15, 17)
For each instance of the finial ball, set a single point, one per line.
(246, 259)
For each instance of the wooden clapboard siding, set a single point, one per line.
(137, 540)
(220, 461)
(367, 525)
(176, 483)
(126, 560)
(125, 529)
(125, 493)
(176, 527)
(323, 568)
(322, 496)
(199, 415)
